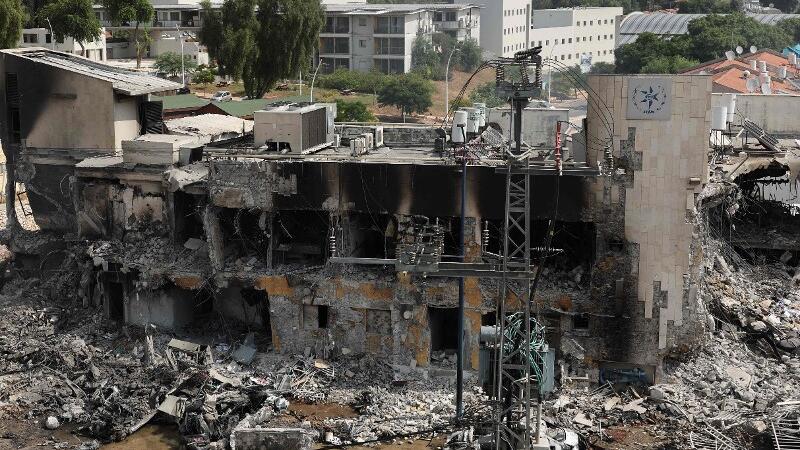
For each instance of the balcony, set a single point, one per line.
(454, 24)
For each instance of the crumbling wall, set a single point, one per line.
(661, 149)
(251, 184)
(166, 308)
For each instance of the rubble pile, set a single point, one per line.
(392, 413)
(725, 389)
(67, 375)
(764, 299)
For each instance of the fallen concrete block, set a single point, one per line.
(273, 439)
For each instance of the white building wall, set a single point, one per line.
(572, 34)
(39, 37)
(504, 25)
(171, 43)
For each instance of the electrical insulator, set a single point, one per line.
(485, 237)
(500, 74)
(332, 242)
(538, 73)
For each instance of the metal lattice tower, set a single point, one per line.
(513, 373)
(514, 382)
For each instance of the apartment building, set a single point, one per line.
(41, 37)
(380, 36)
(505, 25)
(572, 36)
(170, 17)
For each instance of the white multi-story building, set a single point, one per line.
(364, 37)
(170, 16)
(41, 37)
(505, 25)
(582, 35)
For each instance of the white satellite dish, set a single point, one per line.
(753, 49)
(752, 85)
(766, 89)
(730, 55)
(739, 50)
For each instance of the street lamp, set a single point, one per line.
(313, 79)
(183, 68)
(447, 84)
(52, 36)
(550, 70)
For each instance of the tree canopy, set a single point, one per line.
(708, 6)
(12, 19)
(354, 111)
(71, 18)
(791, 27)
(409, 92)
(170, 64)
(255, 46)
(139, 11)
(425, 60)
(708, 38)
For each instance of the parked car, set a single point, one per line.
(221, 96)
(184, 90)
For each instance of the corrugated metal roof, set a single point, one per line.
(669, 24)
(183, 101)
(124, 81)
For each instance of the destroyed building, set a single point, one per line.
(271, 228)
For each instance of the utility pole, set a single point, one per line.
(447, 83)
(313, 79)
(183, 67)
(52, 36)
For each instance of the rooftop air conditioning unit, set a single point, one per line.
(358, 146)
(378, 134)
(292, 128)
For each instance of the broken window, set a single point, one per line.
(116, 301)
(259, 300)
(315, 317)
(301, 237)
(443, 323)
(188, 216)
(367, 236)
(580, 322)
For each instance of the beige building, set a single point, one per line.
(41, 37)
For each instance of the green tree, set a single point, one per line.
(668, 64)
(409, 92)
(791, 27)
(707, 6)
(73, 18)
(786, 6)
(485, 93)
(139, 11)
(354, 111)
(602, 67)
(277, 53)
(12, 19)
(425, 60)
(229, 35)
(711, 36)
(170, 63)
(631, 58)
(470, 54)
(203, 76)
(211, 33)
